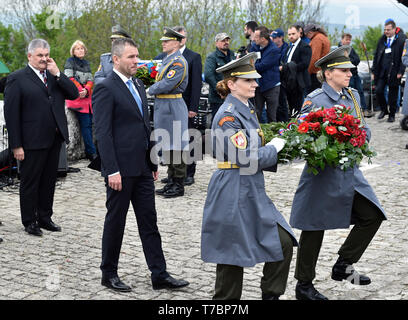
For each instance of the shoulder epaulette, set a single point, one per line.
(352, 89)
(230, 108)
(315, 93)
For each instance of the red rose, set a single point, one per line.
(303, 127)
(153, 74)
(331, 130)
(315, 126)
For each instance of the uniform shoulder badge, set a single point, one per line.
(171, 74)
(177, 64)
(239, 140)
(226, 119)
(307, 103)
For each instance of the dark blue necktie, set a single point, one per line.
(389, 43)
(135, 96)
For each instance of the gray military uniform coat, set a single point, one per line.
(405, 62)
(171, 115)
(105, 67)
(324, 201)
(240, 221)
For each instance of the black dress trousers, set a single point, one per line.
(140, 192)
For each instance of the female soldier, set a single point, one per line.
(333, 198)
(241, 226)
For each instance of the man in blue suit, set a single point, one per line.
(123, 131)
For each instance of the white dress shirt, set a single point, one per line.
(293, 49)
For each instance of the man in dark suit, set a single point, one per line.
(295, 76)
(123, 134)
(388, 68)
(34, 110)
(191, 94)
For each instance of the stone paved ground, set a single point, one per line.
(66, 265)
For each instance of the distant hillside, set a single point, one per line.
(358, 32)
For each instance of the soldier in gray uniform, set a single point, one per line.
(241, 226)
(333, 198)
(106, 63)
(170, 115)
(405, 101)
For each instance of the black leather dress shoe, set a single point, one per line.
(169, 283)
(382, 115)
(306, 291)
(391, 118)
(342, 270)
(188, 181)
(34, 229)
(268, 296)
(50, 226)
(116, 284)
(406, 146)
(1, 240)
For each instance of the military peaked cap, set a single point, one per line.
(118, 32)
(241, 68)
(170, 34)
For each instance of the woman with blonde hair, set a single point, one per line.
(78, 70)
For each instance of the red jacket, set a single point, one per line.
(79, 72)
(320, 45)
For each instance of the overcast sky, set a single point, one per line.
(364, 12)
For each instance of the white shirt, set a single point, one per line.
(293, 49)
(125, 80)
(37, 72)
(182, 49)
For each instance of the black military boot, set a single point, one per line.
(166, 180)
(343, 270)
(164, 189)
(176, 190)
(307, 291)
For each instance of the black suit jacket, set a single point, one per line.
(397, 67)
(33, 111)
(301, 56)
(192, 93)
(122, 133)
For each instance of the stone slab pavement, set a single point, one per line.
(65, 265)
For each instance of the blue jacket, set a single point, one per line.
(268, 65)
(283, 49)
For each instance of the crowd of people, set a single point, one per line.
(267, 72)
